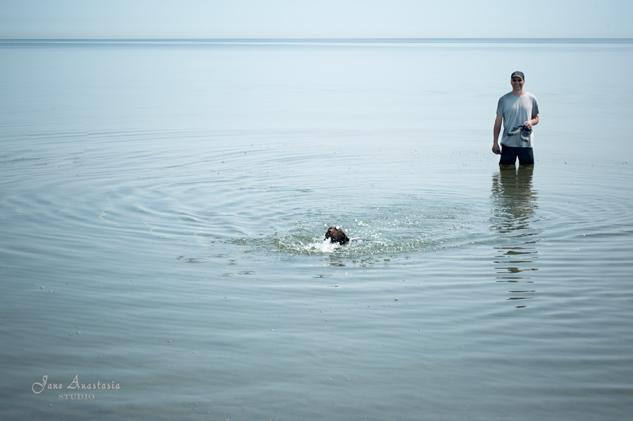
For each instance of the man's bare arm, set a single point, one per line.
(496, 131)
(532, 122)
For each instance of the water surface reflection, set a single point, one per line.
(513, 211)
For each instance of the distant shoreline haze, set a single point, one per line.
(327, 40)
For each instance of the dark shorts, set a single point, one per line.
(510, 154)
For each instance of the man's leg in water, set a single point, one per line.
(508, 157)
(526, 157)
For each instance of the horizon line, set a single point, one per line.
(337, 39)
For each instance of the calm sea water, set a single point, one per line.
(163, 206)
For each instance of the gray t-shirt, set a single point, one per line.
(515, 111)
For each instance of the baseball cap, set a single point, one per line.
(518, 74)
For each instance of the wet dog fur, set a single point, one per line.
(336, 235)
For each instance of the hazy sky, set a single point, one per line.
(315, 19)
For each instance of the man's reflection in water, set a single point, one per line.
(513, 210)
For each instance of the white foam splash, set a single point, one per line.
(325, 246)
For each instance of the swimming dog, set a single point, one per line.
(336, 235)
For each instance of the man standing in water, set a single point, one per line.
(518, 110)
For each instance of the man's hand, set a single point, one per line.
(495, 134)
(532, 122)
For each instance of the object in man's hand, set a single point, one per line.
(523, 130)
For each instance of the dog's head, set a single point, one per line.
(336, 235)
